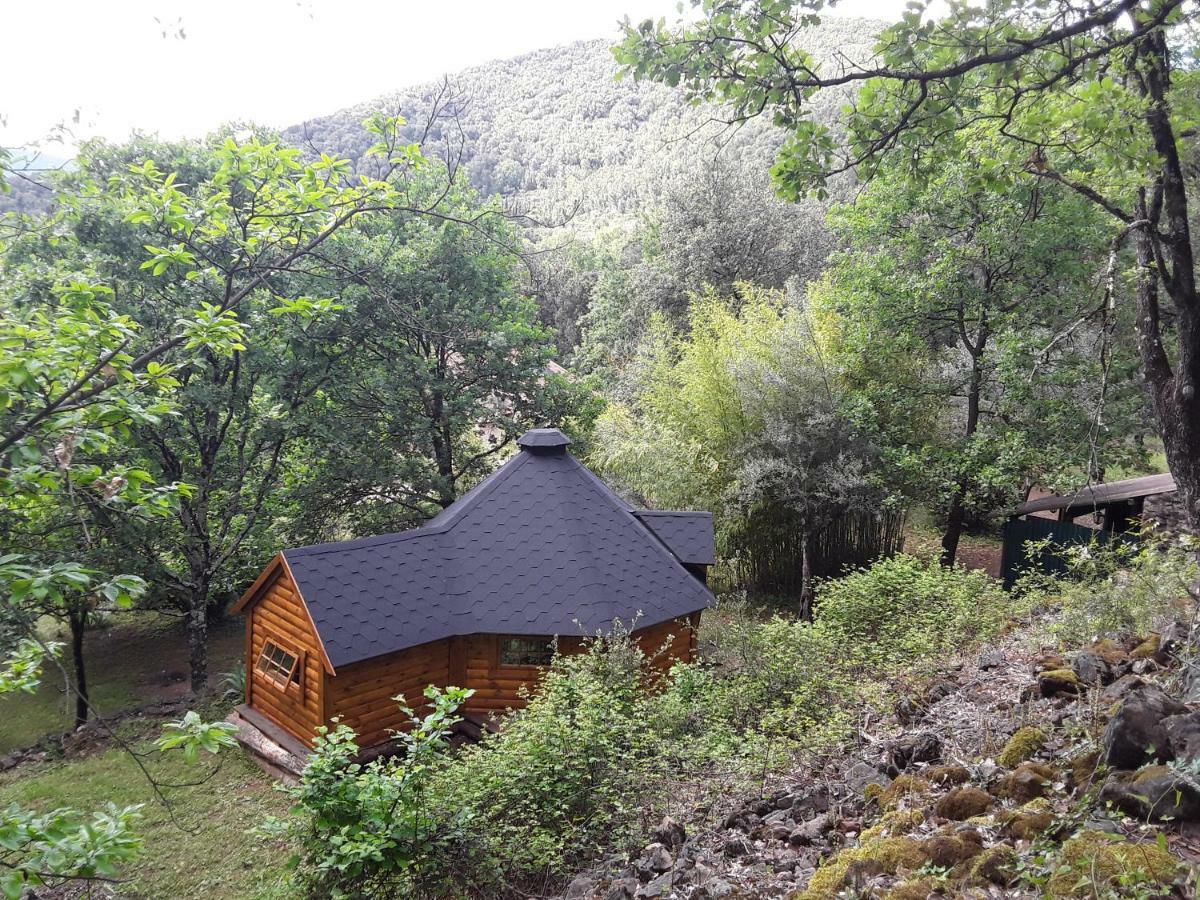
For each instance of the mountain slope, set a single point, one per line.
(554, 131)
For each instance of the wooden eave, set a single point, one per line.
(274, 568)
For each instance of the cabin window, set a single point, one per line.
(521, 651)
(279, 665)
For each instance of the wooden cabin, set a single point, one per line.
(1113, 510)
(541, 549)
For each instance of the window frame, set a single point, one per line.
(295, 675)
(547, 644)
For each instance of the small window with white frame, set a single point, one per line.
(278, 664)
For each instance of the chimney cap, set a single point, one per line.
(544, 439)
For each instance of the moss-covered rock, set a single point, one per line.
(946, 851)
(1021, 746)
(1148, 648)
(964, 803)
(1025, 826)
(896, 821)
(1058, 683)
(947, 775)
(916, 889)
(903, 787)
(1081, 769)
(1109, 651)
(995, 865)
(1048, 663)
(1028, 781)
(1092, 861)
(890, 856)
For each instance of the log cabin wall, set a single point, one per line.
(279, 615)
(361, 694)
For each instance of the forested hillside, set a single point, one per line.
(555, 131)
(823, 302)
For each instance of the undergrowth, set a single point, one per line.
(596, 759)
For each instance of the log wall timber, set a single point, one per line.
(278, 614)
(361, 694)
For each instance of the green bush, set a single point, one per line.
(367, 830)
(1116, 588)
(567, 777)
(902, 610)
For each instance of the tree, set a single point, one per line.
(71, 393)
(741, 416)
(445, 365)
(987, 380)
(1097, 98)
(228, 230)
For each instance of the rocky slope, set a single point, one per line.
(1019, 773)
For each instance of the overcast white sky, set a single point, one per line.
(122, 64)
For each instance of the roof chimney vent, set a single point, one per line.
(544, 441)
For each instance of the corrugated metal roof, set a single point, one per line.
(1098, 495)
(542, 546)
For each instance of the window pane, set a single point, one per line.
(276, 663)
(526, 652)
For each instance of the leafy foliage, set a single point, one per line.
(363, 828)
(1116, 587)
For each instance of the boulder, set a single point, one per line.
(737, 846)
(655, 858)
(582, 887)
(993, 659)
(913, 748)
(1155, 794)
(1183, 735)
(622, 889)
(670, 834)
(1136, 734)
(859, 775)
(1090, 668)
(1121, 688)
(811, 831)
(812, 803)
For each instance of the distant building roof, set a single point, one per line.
(542, 546)
(1097, 496)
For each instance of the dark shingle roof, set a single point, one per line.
(1099, 495)
(542, 546)
(687, 533)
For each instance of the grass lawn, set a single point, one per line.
(138, 658)
(198, 848)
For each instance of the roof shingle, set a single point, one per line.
(542, 546)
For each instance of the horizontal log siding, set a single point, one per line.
(361, 694)
(278, 613)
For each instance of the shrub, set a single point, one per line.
(567, 777)
(365, 830)
(1117, 587)
(903, 609)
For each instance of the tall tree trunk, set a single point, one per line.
(806, 579)
(1163, 244)
(956, 521)
(956, 515)
(78, 623)
(197, 634)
